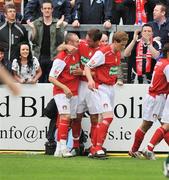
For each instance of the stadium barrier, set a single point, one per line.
(86, 27)
(23, 127)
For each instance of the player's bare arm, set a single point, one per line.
(66, 90)
(91, 82)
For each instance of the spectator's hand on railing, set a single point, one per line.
(76, 24)
(107, 24)
(119, 82)
(22, 81)
(31, 81)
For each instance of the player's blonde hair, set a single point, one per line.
(120, 36)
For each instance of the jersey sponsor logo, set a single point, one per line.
(84, 60)
(74, 67)
(113, 70)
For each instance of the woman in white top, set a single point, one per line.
(26, 68)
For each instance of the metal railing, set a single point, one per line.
(86, 27)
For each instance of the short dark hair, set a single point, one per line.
(165, 50)
(163, 7)
(68, 37)
(9, 6)
(2, 49)
(146, 25)
(46, 1)
(94, 34)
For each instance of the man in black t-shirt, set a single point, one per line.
(46, 36)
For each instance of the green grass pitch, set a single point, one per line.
(44, 167)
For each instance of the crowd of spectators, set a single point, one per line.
(47, 32)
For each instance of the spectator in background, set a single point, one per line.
(92, 12)
(119, 10)
(135, 7)
(46, 36)
(143, 53)
(2, 55)
(137, 11)
(26, 68)
(104, 39)
(11, 33)
(72, 3)
(160, 24)
(60, 7)
(18, 14)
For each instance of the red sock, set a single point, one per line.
(76, 128)
(157, 137)
(139, 136)
(166, 137)
(63, 128)
(93, 133)
(102, 131)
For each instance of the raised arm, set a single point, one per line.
(129, 48)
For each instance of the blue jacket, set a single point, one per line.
(61, 7)
(95, 13)
(162, 32)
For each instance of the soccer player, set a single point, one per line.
(65, 91)
(153, 108)
(162, 131)
(86, 98)
(106, 62)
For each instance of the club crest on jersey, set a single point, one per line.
(105, 105)
(64, 107)
(155, 116)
